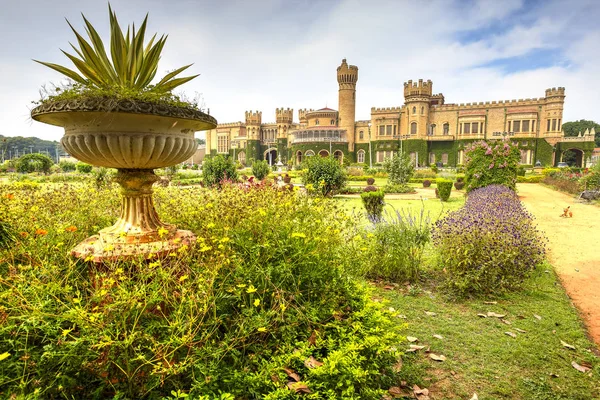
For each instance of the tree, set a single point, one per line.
(573, 128)
(34, 163)
(200, 141)
(260, 169)
(399, 168)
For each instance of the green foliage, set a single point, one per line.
(444, 187)
(83, 167)
(493, 162)
(573, 128)
(228, 315)
(67, 166)
(398, 188)
(425, 173)
(373, 202)
(102, 177)
(34, 162)
(591, 180)
(324, 174)
(217, 169)
(260, 169)
(400, 168)
(530, 179)
(397, 245)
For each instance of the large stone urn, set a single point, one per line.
(135, 138)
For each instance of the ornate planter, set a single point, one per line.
(135, 138)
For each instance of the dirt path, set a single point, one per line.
(574, 245)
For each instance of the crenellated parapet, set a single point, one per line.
(555, 92)
(253, 118)
(284, 115)
(385, 110)
(231, 125)
(490, 104)
(347, 75)
(418, 89)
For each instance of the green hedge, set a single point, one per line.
(444, 187)
(530, 179)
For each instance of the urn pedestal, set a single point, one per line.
(135, 138)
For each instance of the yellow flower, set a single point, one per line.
(162, 231)
(183, 278)
(262, 329)
(110, 247)
(251, 289)
(256, 303)
(241, 285)
(205, 248)
(225, 240)
(65, 332)
(298, 235)
(283, 307)
(76, 300)
(210, 226)
(6, 354)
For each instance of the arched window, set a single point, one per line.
(332, 122)
(414, 110)
(309, 153)
(413, 128)
(316, 122)
(432, 129)
(360, 156)
(299, 157)
(361, 135)
(242, 157)
(446, 128)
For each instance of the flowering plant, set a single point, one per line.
(488, 163)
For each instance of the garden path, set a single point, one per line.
(573, 245)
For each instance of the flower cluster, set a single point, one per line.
(491, 163)
(489, 245)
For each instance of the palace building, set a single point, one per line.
(429, 129)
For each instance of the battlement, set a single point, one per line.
(302, 113)
(559, 91)
(419, 88)
(437, 99)
(347, 75)
(231, 124)
(284, 116)
(377, 110)
(253, 118)
(488, 104)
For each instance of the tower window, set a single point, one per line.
(414, 110)
(432, 129)
(422, 110)
(413, 128)
(446, 128)
(361, 135)
(360, 156)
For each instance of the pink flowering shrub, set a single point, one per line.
(493, 162)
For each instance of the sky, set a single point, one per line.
(264, 54)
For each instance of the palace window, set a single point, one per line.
(316, 122)
(223, 144)
(360, 156)
(548, 129)
(432, 129)
(422, 110)
(475, 127)
(525, 125)
(332, 123)
(414, 110)
(446, 128)
(413, 128)
(309, 153)
(466, 128)
(516, 126)
(554, 125)
(361, 135)
(242, 157)
(383, 155)
(388, 130)
(525, 158)
(431, 158)
(381, 130)
(444, 158)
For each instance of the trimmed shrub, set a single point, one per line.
(398, 241)
(530, 179)
(521, 171)
(488, 163)
(34, 162)
(370, 181)
(399, 168)
(458, 185)
(402, 189)
(354, 178)
(217, 169)
(83, 167)
(426, 183)
(444, 188)
(67, 166)
(488, 246)
(373, 202)
(260, 169)
(424, 173)
(324, 174)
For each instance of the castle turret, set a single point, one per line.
(347, 76)
(284, 118)
(253, 121)
(417, 97)
(551, 116)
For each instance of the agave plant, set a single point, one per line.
(133, 65)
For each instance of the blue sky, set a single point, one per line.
(265, 54)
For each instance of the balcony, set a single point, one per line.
(323, 136)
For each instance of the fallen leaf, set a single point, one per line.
(438, 337)
(553, 375)
(490, 302)
(397, 367)
(581, 368)
(274, 378)
(511, 334)
(482, 315)
(493, 314)
(388, 287)
(402, 316)
(311, 363)
(430, 313)
(398, 392)
(506, 322)
(312, 340)
(537, 317)
(416, 347)
(298, 387)
(521, 316)
(520, 330)
(292, 375)
(412, 339)
(475, 397)
(435, 357)
(567, 345)
(421, 394)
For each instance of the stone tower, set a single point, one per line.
(284, 118)
(417, 97)
(347, 76)
(551, 116)
(253, 121)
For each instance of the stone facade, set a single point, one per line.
(427, 127)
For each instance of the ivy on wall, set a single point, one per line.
(318, 146)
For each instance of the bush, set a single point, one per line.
(217, 169)
(521, 171)
(490, 245)
(396, 250)
(228, 314)
(444, 187)
(488, 163)
(390, 188)
(373, 202)
(591, 180)
(426, 183)
(355, 171)
(361, 178)
(399, 168)
(424, 173)
(325, 174)
(260, 169)
(530, 179)
(67, 166)
(459, 185)
(34, 162)
(83, 167)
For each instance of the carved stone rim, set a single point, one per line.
(110, 104)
